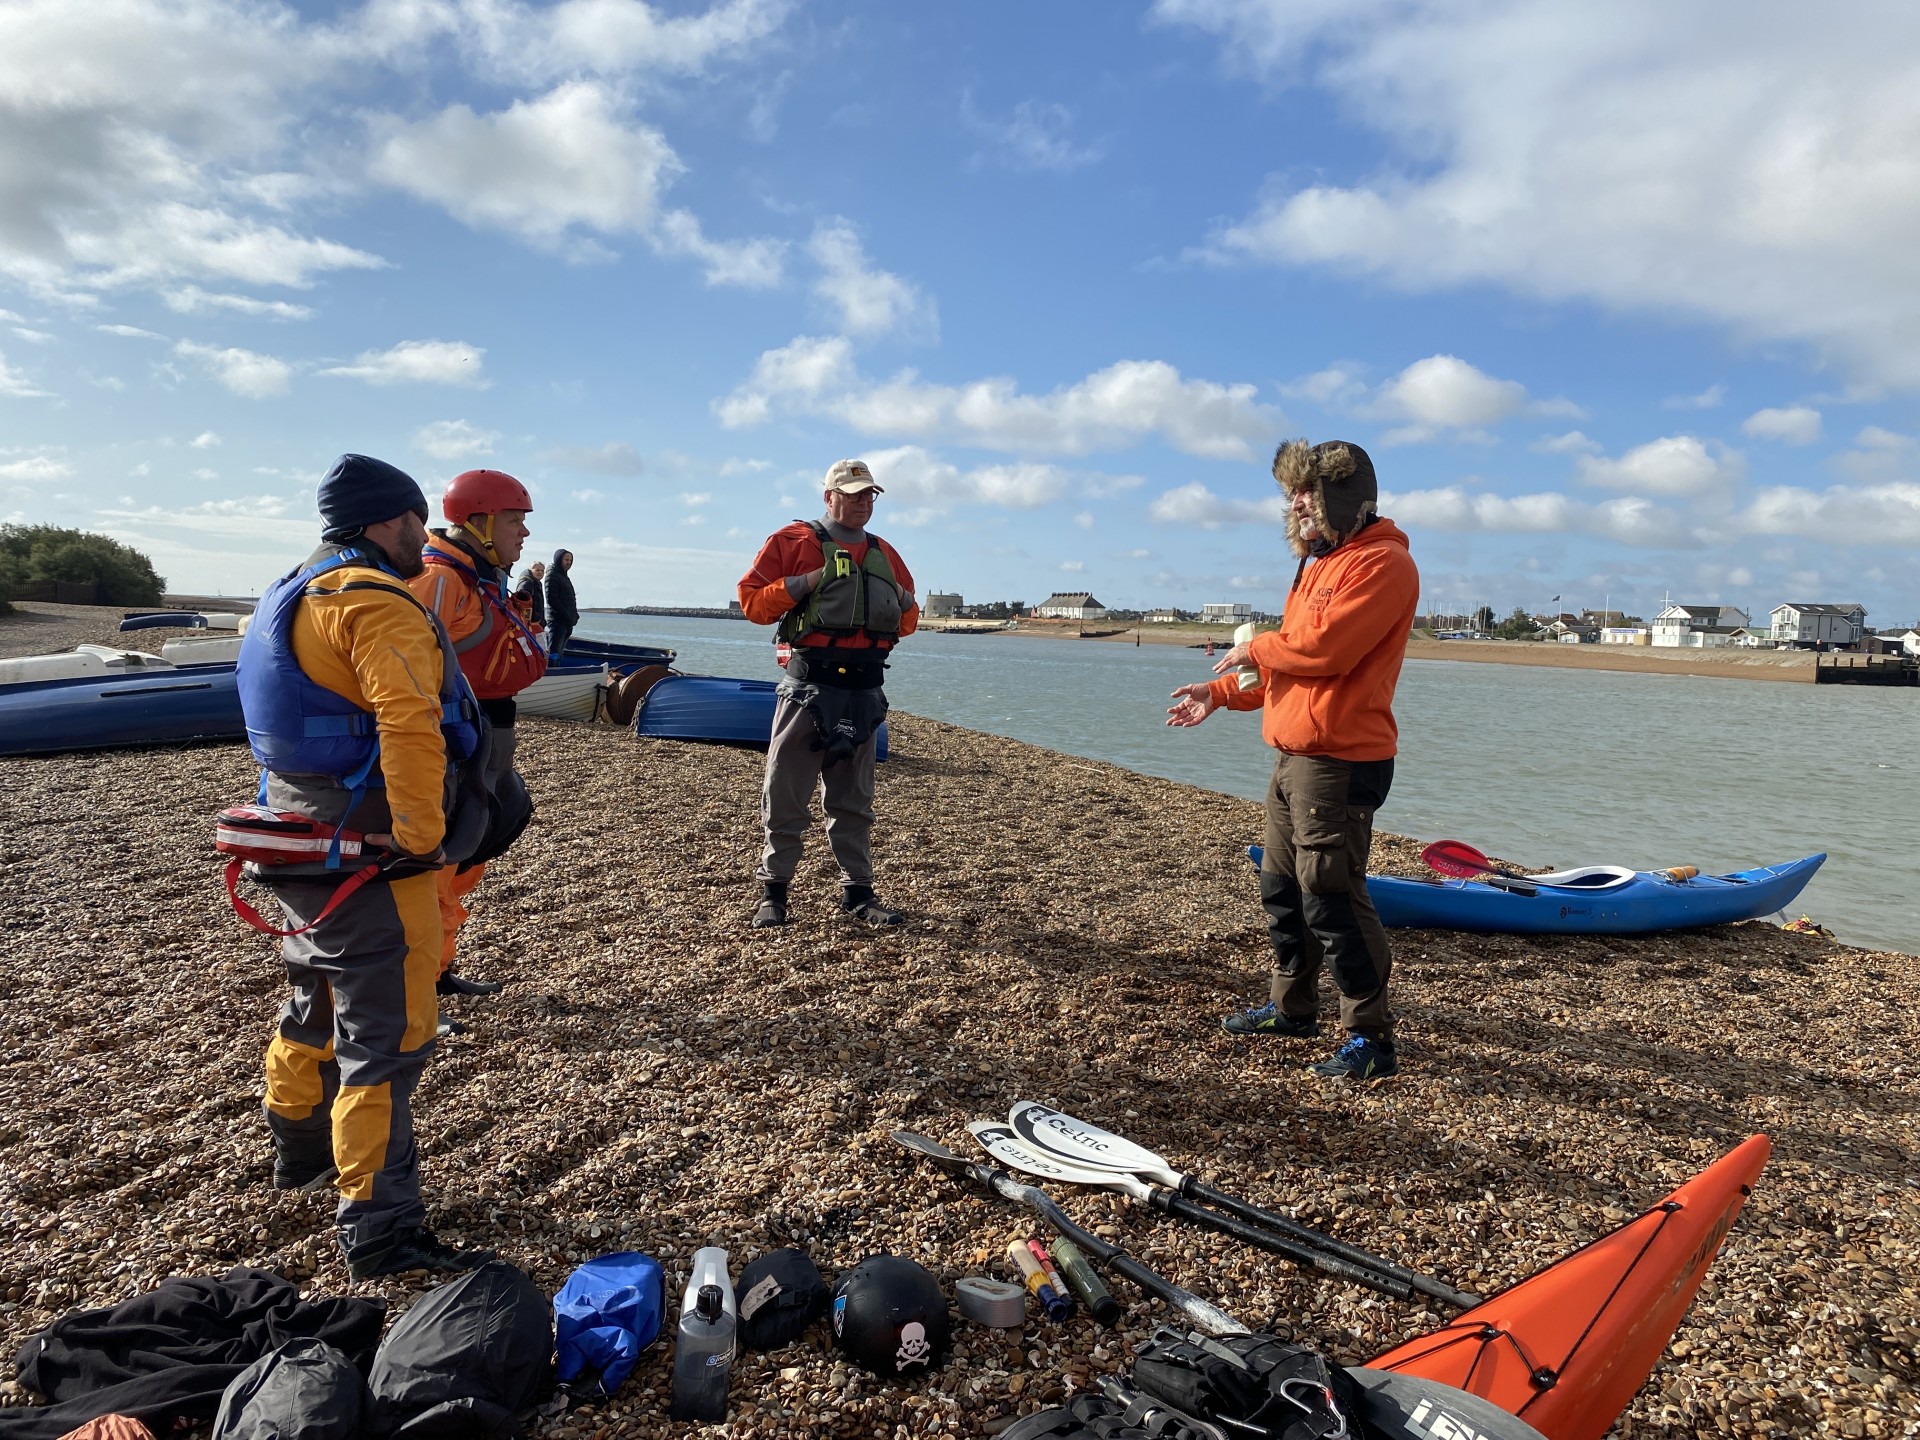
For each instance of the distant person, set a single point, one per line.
(465, 585)
(1325, 685)
(531, 596)
(360, 717)
(563, 608)
(842, 599)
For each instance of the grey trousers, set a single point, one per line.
(352, 1040)
(786, 799)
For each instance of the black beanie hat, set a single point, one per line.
(360, 491)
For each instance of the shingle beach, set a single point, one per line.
(658, 1077)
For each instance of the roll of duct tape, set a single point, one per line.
(992, 1302)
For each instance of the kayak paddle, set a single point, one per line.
(1004, 1145)
(1056, 1133)
(1461, 860)
(1209, 1317)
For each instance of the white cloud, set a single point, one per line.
(129, 332)
(691, 498)
(1792, 425)
(40, 469)
(205, 473)
(454, 440)
(1873, 437)
(1341, 386)
(1073, 567)
(1708, 399)
(192, 300)
(920, 485)
(205, 440)
(16, 385)
(730, 468)
(1439, 397)
(1672, 465)
(31, 336)
(430, 362)
(588, 497)
(1194, 504)
(868, 301)
(1665, 158)
(1084, 519)
(1630, 520)
(1122, 405)
(1839, 515)
(244, 372)
(1036, 136)
(616, 457)
(1571, 443)
(573, 159)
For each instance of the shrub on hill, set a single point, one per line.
(32, 555)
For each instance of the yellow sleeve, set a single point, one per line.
(390, 656)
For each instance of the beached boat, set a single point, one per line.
(568, 691)
(1593, 900)
(181, 620)
(715, 707)
(155, 705)
(81, 662)
(212, 650)
(620, 656)
(1567, 1349)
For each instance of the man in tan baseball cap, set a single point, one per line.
(843, 599)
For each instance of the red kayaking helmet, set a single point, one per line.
(483, 492)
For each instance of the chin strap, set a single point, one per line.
(483, 537)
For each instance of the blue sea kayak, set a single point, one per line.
(1594, 900)
(43, 717)
(716, 707)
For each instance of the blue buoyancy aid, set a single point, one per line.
(299, 727)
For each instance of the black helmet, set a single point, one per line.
(890, 1317)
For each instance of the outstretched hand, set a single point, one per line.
(1196, 702)
(1238, 656)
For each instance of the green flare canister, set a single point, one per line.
(1084, 1283)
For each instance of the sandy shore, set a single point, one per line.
(657, 1076)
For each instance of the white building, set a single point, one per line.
(1626, 635)
(1910, 642)
(1698, 626)
(1232, 614)
(1072, 605)
(941, 605)
(1818, 625)
(1162, 617)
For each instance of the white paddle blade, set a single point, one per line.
(1003, 1145)
(1055, 1132)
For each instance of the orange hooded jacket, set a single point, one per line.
(1327, 675)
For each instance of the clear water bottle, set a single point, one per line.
(709, 1326)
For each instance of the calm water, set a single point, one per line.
(1543, 766)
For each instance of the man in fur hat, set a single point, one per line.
(1325, 682)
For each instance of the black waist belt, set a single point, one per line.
(836, 669)
(500, 713)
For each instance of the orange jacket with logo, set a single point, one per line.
(1327, 675)
(495, 644)
(794, 550)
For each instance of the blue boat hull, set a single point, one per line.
(1646, 902)
(45, 717)
(621, 657)
(716, 707)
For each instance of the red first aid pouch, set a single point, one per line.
(253, 834)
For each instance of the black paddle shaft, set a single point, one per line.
(1305, 1256)
(1405, 1283)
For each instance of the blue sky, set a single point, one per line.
(1623, 299)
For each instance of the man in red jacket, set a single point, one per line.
(1325, 683)
(843, 598)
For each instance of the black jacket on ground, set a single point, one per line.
(171, 1353)
(465, 1361)
(563, 608)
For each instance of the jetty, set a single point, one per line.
(1866, 670)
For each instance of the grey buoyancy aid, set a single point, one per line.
(852, 598)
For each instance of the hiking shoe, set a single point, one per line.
(446, 1027)
(1267, 1020)
(1360, 1059)
(304, 1172)
(405, 1250)
(773, 905)
(452, 984)
(858, 901)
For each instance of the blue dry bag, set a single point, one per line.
(605, 1315)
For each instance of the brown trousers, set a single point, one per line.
(1313, 886)
(794, 772)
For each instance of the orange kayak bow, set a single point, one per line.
(1567, 1349)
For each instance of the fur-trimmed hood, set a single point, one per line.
(1339, 475)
